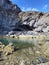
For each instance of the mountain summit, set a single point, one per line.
(8, 16)
(7, 4)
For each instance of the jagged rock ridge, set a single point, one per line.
(8, 16)
(12, 19)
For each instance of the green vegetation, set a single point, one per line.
(18, 43)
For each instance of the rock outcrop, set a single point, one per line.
(30, 55)
(9, 49)
(8, 16)
(12, 19)
(45, 49)
(47, 63)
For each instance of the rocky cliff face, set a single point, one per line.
(12, 19)
(8, 16)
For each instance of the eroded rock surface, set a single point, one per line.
(12, 19)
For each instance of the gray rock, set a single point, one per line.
(47, 63)
(13, 19)
(46, 29)
(41, 59)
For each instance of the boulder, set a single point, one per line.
(46, 53)
(9, 49)
(45, 46)
(45, 49)
(1, 46)
(47, 63)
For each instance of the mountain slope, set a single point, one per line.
(12, 19)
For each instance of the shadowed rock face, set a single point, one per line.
(6, 4)
(12, 19)
(8, 16)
